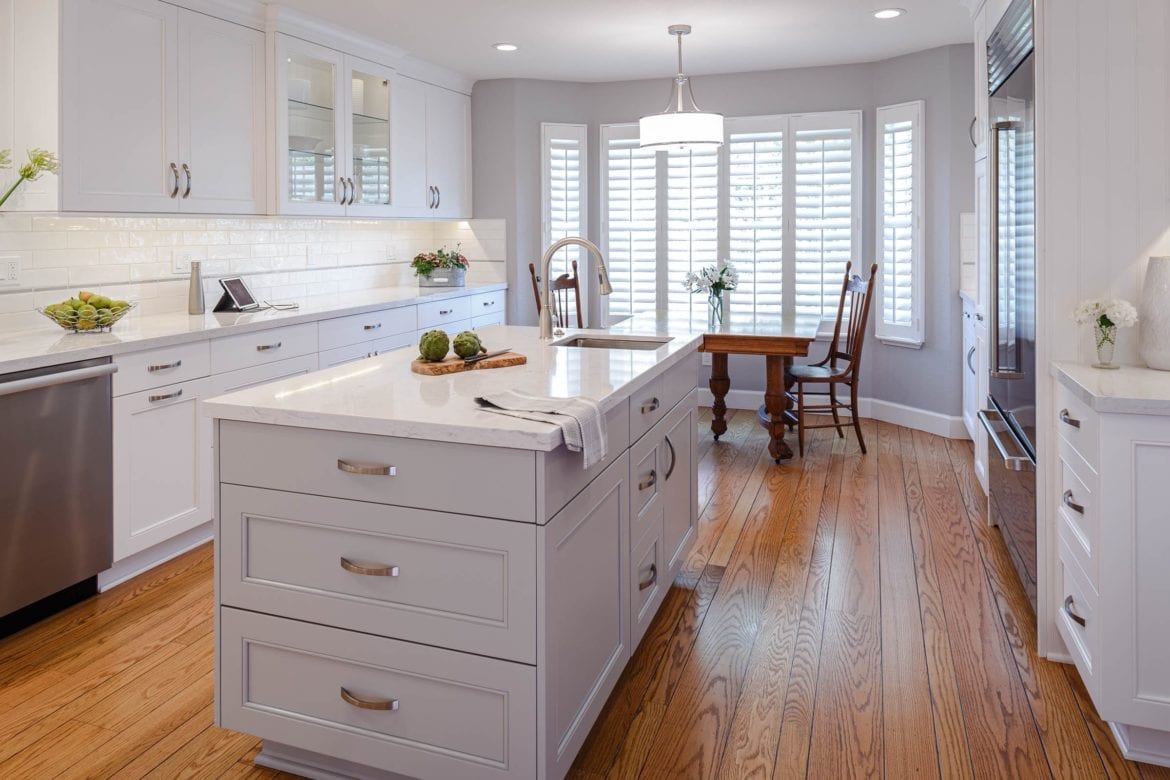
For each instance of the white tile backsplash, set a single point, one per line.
(281, 258)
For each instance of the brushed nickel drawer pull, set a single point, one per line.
(164, 366)
(649, 481)
(1073, 616)
(369, 569)
(375, 326)
(368, 471)
(445, 312)
(673, 458)
(489, 303)
(650, 406)
(1067, 419)
(267, 347)
(653, 578)
(166, 396)
(361, 702)
(1073, 505)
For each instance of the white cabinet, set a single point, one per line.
(162, 110)
(979, 129)
(975, 382)
(432, 150)
(679, 482)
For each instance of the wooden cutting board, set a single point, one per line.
(453, 365)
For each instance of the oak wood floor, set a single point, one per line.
(840, 616)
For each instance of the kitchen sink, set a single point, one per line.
(614, 342)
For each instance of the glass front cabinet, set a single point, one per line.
(333, 132)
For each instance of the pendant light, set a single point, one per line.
(682, 125)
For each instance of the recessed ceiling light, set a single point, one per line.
(888, 13)
(505, 46)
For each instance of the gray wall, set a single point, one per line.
(506, 117)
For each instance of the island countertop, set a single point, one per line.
(1127, 390)
(380, 395)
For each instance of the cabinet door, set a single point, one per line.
(162, 465)
(119, 106)
(221, 116)
(679, 483)
(411, 193)
(310, 127)
(970, 375)
(449, 151)
(979, 131)
(368, 139)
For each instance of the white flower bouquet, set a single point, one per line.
(1106, 317)
(712, 279)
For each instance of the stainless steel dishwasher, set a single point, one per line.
(56, 488)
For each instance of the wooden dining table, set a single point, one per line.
(778, 338)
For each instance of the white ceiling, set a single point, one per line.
(614, 40)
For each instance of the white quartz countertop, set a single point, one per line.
(49, 345)
(380, 395)
(1127, 390)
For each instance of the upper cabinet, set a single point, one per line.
(432, 150)
(162, 110)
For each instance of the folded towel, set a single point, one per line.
(579, 419)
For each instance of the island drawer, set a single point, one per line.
(653, 401)
(356, 328)
(561, 470)
(1077, 424)
(163, 366)
(466, 583)
(439, 314)
(232, 353)
(649, 577)
(446, 477)
(1078, 517)
(425, 712)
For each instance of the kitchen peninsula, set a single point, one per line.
(410, 586)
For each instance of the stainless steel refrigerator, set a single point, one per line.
(1010, 416)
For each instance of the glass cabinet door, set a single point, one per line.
(369, 132)
(315, 171)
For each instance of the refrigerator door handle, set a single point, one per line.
(1010, 462)
(993, 213)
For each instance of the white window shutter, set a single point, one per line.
(899, 295)
(629, 200)
(692, 222)
(564, 196)
(756, 211)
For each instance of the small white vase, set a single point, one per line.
(1155, 315)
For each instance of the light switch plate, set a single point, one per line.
(705, 358)
(181, 261)
(9, 270)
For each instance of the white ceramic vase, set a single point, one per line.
(1155, 315)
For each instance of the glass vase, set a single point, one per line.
(714, 311)
(1106, 337)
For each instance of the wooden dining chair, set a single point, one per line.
(564, 287)
(841, 365)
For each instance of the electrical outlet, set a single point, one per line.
(705, 358)
(9, 270)
(181, 261)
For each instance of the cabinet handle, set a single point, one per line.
(971, 132)
(431, 191)
(649, 481)
(175, 173)
(166, 396)
(653, 578)
(375, 326)
(979, 317)
(352, 190)
(1073, 616)
(368, 471)
(268, 347)
(363, 703)
(187, 173)
(673, 459)
(438, 197)
(971, 354)
(489, 303)
(1068, 419)
(370, 570)
(444, 312)
(650, 406)
(1073, 505)
(341, 190)
(164, 366)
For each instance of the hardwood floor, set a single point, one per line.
(840, 616)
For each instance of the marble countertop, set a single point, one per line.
(49, 345)
(1127, 390)
(380, 395)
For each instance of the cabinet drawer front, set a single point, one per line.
(491, 481)
(391, 343)
(451, 328)
(356, 328)
(162, 366)
(486, 303)
(646, 474)
(649, 578)
(466, 583)
(436, 314)
(1077, 511)
(429, 712)
(561, 470)
(263, 346)
(347, 354)
(1078, 601)
(487, 320)
(258, 375)
(659, 396)
(1077, 424)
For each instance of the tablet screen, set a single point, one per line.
(239, 293)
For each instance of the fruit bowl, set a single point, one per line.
(86, 319)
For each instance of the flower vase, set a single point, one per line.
(714, 311)
(1155, 314)
(1106, 337)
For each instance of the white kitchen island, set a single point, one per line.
(410, 586)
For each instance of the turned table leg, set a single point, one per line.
(720, 384)
(775, 404)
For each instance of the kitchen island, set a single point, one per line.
(410, 586)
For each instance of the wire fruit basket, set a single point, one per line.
(87, 318)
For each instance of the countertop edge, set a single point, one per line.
(1065, 373)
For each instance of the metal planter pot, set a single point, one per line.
(444, 277)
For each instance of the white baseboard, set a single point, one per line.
(1142, 744)
(947, 426)
(139, 562)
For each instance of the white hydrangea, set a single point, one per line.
(712, 279)
(1106, 313)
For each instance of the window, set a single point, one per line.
(563, 199)
(781, 200)
(899, 215)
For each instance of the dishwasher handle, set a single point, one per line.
(1010, 462)
(62, 378)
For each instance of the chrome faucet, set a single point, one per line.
(546, 329)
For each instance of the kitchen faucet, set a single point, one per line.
(606, 288)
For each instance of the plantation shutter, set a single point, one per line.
(756, 211)
(899, 207)
(629, 227)
(826, 213)
(692, 221)
(564, 196)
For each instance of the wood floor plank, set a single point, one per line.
(211, 753)
(1117, 767)
(56, 754)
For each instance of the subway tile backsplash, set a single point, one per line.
(282, 258)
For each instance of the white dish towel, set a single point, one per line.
(579, 419)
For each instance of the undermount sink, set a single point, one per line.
(614, 342)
